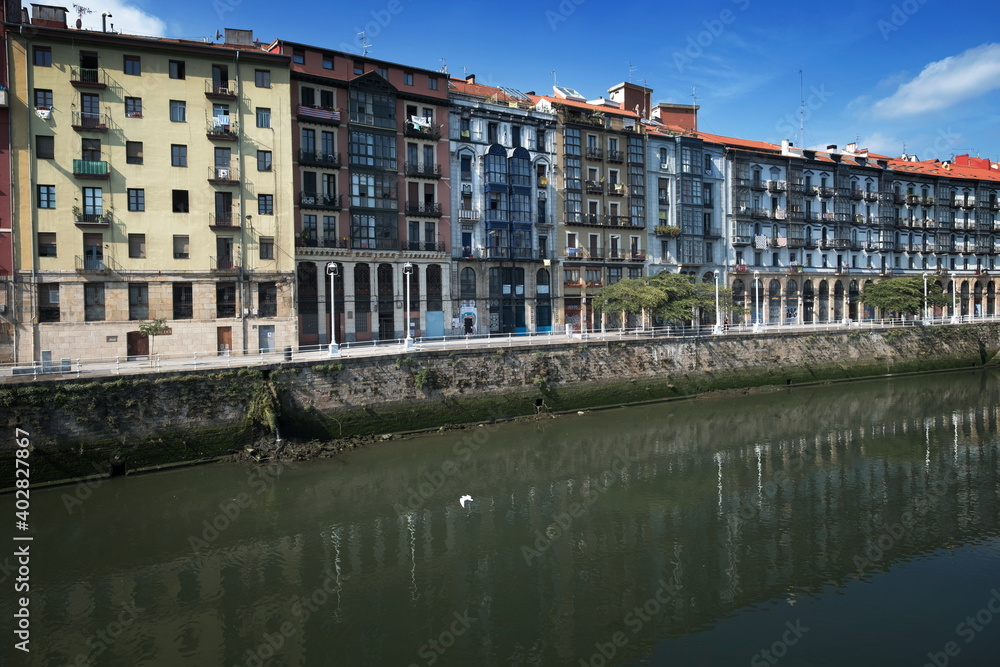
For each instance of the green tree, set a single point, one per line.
(902, 296)
(152, 329)
(671, 297)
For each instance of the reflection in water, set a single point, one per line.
(670, 524)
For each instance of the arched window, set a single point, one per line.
(467, 289)
(496, 164)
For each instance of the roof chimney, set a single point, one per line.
(471, 78)
(831, 148)
(684, 116)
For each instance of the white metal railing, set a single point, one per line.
(161, 363)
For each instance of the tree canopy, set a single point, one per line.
(671, 297)
(902, 296)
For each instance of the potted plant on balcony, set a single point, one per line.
(667, 230)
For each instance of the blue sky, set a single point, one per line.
(916, 75)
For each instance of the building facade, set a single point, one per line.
(372, 186)
(146, 188)
(601, 201)
(503, 239)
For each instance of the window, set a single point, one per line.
(326, 99)
(298, 56)
(262, 77)
(327, 61)
(136, 199)
(383, 72)
(178, 111)
(408, 78)
(45, 147)
(263, 160)
(183, 301)
(267, 247)
(225, 300)
(265, 204)
(309, 230)
(133, 65)
(43, 98)
(46, 244)
(133, 152)
(48, 302)
(432, 82)
(179, 200)
(178, 155)
(182, 247)
(138, 301)
(137, 246)
(176, 69)
(263, 117)
(307, 95)
(43, 56)
(133, 107)
(267, 299)
(359, 67)
(46, 196)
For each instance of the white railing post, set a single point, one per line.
(118, 365)
(196, 360)
(78, 367)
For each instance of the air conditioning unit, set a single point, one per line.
(466, 188)
(254, 311)
(222, 173)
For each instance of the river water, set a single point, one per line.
(851, 524)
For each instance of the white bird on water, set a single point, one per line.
(461, 501)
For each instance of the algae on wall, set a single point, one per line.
(80, 427)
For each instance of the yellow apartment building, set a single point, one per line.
(149, 183)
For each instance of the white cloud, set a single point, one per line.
(126, 17)
(944, 83)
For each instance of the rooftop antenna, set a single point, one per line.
(694, 96)
(364, 43)
(465, 72)
(444, 66)
(555, 81)
(802, 113)
(80, 12)
(631, 70)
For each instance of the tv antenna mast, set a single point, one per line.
(364, 43)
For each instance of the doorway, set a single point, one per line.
(136, 345)
(224, 336)
(265, 338)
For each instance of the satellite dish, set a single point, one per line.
(79, 23)
(218, 35)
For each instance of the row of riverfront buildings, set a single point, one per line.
(213, 184)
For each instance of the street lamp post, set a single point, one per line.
(718, 325)
(927, 316)
(756, 302)
(332, 270)
(408, 271)
(955, 318)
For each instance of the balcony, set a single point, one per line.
(741, 269)
(86, 121)
(320, 201)
(616, 189)
(223, 221)
(794, 270)
(90, 264)
(421, 131)
(422, 246)
(224, 264)
(90, 169)
(970, 202)
(870, 196)
(756, 184)
(857, 195)
(594, 188)
(825, 192)
(88, 77)
(220, 130)
(595, 153)
(468, 215)
(92, 220)
(220, 90)
(420, 170)
(321, 115)
(616, 156)
(223, 176)
(776, 186)
(622, 221)
(912, 200)
(319, 159)
(427, 209)
(742, 240)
